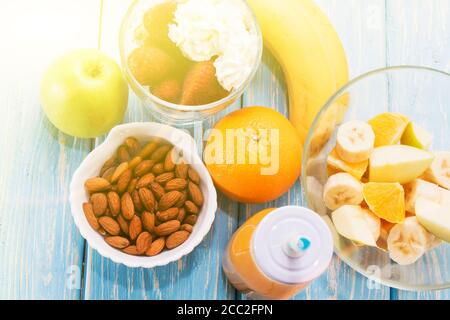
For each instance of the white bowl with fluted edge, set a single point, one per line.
(91, 166)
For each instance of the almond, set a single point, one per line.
(182, 199)
(109, 173)
(123, 225)
(137, 201)
(135, 227)
(90, 216)
(181, 214)
(132, 186)
(195, 193)
(99, 204)
(102, 231)
(156, 247)
(108, 213)
(124, 181)
(119, 170)
(158, 169)
(166, 228)
(157, 190)
(114, 202)
(117, 242)
(169, 161)
(110, 225)
(134, 162)
(191, 207)
(169, 199)
(193, 176)
(192, 219)
(143, 168)
(131, 250)
(201, 86)
(165, 177)
(169, 214)
(186, 227)
(143, 242)
(160, 153)
(111, 162)
(168, 90)
(181, 170)
(132, 145)
(97, 184)
(127, 206)
(176, 239)
(147, 199)
(148, 149)
(176, 184)
(122, 154)
(145, 180)
(148, 221)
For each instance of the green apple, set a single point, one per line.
(398, 163)
(84, 94)
(434, 217)
(416, 136)
(356, 224)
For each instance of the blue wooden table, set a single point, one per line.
(42, 255)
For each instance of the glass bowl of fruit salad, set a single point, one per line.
(376, 166)
(189, 59)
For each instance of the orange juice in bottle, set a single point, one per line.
(278, 252)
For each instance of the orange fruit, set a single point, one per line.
(253, 155)
(355, 169)
(386, 200)
(388, 128)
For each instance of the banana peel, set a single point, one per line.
(313, 59)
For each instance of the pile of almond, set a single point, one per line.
(145, 198)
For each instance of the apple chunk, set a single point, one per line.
(434, 217)
(357, 224)
(398, 163)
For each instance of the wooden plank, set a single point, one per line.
(197, 276)
(418, 34)
(41, 251)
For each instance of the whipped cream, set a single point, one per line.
(220, 29)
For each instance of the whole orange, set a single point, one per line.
(253, 155)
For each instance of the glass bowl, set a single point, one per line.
(423, 94)
(164, 111)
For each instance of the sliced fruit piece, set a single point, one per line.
(439, 170)
(341, 189)
(407, 241)
(315, 195)
(201, 86)
(386, 200)
(388, 128)
(416, 136)
(430, 191)
(354, 141)
(398, 163)
(434, 217)
(352, 223)
(355, 169)
(385, 228)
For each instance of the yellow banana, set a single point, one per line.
(308, 48)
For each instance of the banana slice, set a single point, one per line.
(341, 189)
(407, 241)
(355, 141)
(439, 171)
(421, 188)
(314, 195)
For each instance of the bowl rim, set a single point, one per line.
(323, 109)
(186, 108)
(78, 195)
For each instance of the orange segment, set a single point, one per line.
(388, 128)
(355, 169)
(386, 200)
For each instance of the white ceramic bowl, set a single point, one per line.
(91, 166)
